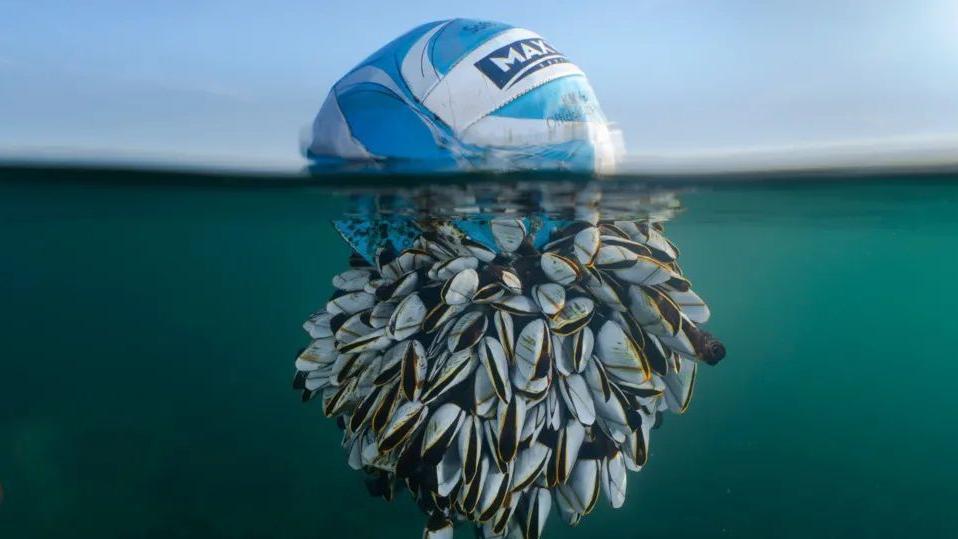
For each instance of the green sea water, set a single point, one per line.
(148, 328)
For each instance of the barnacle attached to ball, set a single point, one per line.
(496, 377)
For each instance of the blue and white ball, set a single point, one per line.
(465, 95)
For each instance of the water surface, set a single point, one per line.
(149, 327)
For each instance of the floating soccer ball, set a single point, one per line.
(498, 367)
(465, 94)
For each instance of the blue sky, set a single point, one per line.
(236, 81)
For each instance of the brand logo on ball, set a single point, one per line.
(508, 65)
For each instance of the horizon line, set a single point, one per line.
(910, 151)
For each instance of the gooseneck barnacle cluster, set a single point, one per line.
(497, 379)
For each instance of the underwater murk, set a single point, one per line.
(515, 356)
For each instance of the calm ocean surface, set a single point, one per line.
(148, 330)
